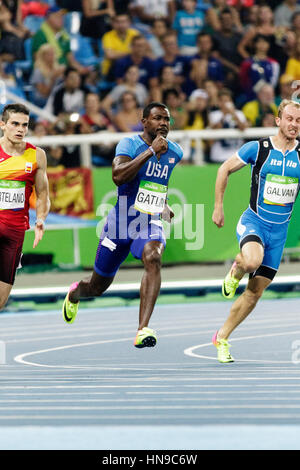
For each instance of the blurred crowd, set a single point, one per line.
(93, 65)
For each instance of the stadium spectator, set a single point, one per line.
(188, 23)
(111, 102)
(159, 28)
(258, 67)
(213, 20)
(93, 120)
(295, 24)
(286, 89)
(69, 97)
(212, 91)
(128, 118)
(204, 65)
(138, 56)
(250, 18)
(46, 74)
(167, 80)
(293, 63)
(197, 119)
(116, 43)
(146, 11)
(171, 58)
(53, 32)
(71, 153)
(268, 120)
(226, 117)
(264, 103)
(54, 156)
(40, 129)
(283, 13)
(13, 31)
(226, 41)
(173, 100)
(265, 26)
(197, 114)
(96, 18)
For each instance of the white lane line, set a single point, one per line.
(57, 387)
(147, 399)
(183, 407)
(190, 351)
(20, 357)
(164, 418)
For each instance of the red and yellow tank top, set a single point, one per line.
(17, 176)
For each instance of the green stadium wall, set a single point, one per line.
(192, 239)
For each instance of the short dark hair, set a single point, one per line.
(14, 108)
(150, 106)
(260, 37)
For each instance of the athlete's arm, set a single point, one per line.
(42, 195)
(125, 169)
(230, 166)
(167, 213)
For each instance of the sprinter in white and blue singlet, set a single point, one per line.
(262, 228)
(141, 170)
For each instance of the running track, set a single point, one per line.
(84, 386)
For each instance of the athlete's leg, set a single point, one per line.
(248, 260)
(94, 286)
(11, 242)
(5, 290)
(110, 255)
(244, 305)
(151, 280)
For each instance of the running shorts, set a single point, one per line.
(272, 236)
(119, 238)
(11, 243)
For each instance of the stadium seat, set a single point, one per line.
(33, 22)
(72, 22)
(83, 51)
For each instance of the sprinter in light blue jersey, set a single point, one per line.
(141, 170)
(262, 228)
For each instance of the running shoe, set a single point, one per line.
(69, 308)
(222, 346)
(230, 285)
(145, 338)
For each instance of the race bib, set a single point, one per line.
(280, 190)
(12, 194)
(151, 197)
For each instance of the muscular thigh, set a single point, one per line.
(10, 254)
(253, 252)
(256, 285)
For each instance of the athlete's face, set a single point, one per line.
(158, 122)
(16, 127)
(289, 123)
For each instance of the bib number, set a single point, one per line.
(12, 194)
(151, 197)
(280, 190)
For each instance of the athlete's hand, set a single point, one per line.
(39, 232)
(167, 214)
(218, 217)
(160, 145)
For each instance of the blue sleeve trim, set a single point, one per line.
(248, 152)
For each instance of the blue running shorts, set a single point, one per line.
(120, 237)
(272, 236)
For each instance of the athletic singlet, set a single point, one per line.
(17, 174)
(147, 191)
(275, 179)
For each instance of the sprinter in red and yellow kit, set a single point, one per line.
(22, 166)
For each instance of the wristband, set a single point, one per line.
(40, 221)
(152, 150)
